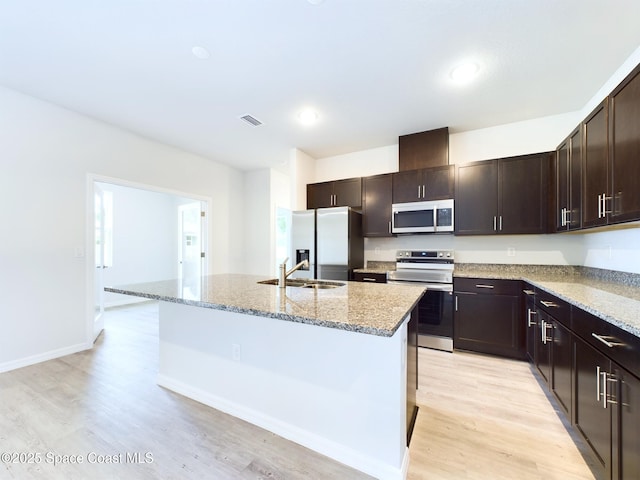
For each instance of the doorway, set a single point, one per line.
(146, 234)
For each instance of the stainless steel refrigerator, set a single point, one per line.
(331, 239)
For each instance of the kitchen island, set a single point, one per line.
(326, 368)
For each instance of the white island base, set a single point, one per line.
(340, 393)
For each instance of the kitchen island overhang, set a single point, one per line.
(324, 368)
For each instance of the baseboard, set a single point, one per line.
(338, 452)
(43, 357)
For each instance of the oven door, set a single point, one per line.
(435, 315)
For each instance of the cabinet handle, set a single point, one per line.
(480, 285)
(598, 383)
(424, 195)
(529, 292)
(604, 389)
(567, 217)
(599, 206)
(494, 223)
(548, 304)
(530, 323)
(500, 222)
(606, 341)
(456, 307)
(543, 333)
(604, 204)
(418, 191)
(389, 226)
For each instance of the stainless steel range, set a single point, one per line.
(434, 270)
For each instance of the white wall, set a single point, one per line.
(302, 170)
(47, 154)
(357, 164)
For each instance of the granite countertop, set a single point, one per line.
(375, 309)
(612, 296)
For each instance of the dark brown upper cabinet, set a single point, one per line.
(595, 167)
(424, 149)
(425, 184)
(503, 196)
(611, 156)
(339, 193)
(624, 150)
(376, 205)
(568, 212)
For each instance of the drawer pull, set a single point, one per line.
(529, 292)
(368, 279)
(606, 341)
(480, 285)
(548, 304)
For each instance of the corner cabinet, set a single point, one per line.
(487, 316)
(339, 193)
(376, 205)
(503, 196)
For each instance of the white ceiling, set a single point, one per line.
(374, 69)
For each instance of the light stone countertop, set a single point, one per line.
(614, 301)
(375, 309)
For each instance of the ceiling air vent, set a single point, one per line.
(251, 120)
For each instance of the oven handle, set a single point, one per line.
(434, 287)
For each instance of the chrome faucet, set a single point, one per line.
(282, 278)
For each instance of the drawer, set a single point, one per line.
(488, 286)
(619, 345)
(557, 308)
(370, 277)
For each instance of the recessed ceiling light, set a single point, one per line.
(200, 52)
(308, 116)
(465, 72)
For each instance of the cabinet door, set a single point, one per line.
(592, 420)
(522, 194)
(624, 122)
(543, 345)
(487, 324)
(348, 193)
(407, 186)
(562, 367)
(319, 195)
(531, 322)
(627, 447)
(574, 216)
(439, 182)
(595, 165)
(562, 186)
(376, 206)
(476, 198)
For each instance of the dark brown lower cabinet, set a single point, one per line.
(562, 367)
(627, 453)
(593, 413)
(412, 372)
(543, 346)
(531, 322)
(487, 317)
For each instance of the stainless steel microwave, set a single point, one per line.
(422, 217)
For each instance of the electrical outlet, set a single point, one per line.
(236, 352)
(511, 252)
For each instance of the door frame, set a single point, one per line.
(91, 179)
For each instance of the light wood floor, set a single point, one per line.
(474, 422)
(484, 417)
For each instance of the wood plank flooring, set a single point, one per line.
(484, 417)
(473, 423)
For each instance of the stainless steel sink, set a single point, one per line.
(305, 283)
